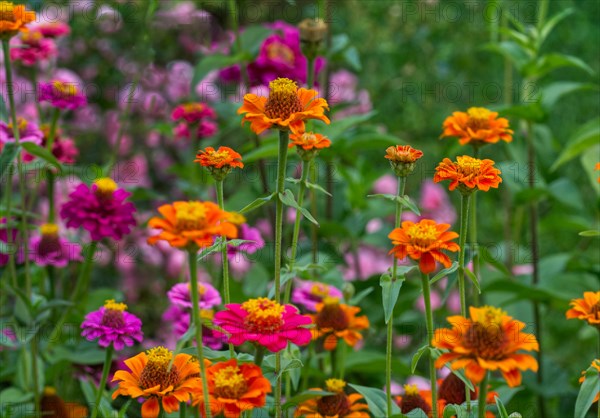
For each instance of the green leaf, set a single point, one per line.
(3, 109)
(304, 396)
(257, 203)
(453, 410)
(355, 300)
(79, 355)
(532, 111)
(15, 395)
(335, 130)
(585, 137)
(416, 357)
(409, 204)
(268, 150)
(376, 399)
(513, 51)
(252, 38)
(317, 187)
(501, 409)
(366, 141)
(444, 273)
(553, 92)
(473, 278)
(205, 252)
(521, 291)
(553, 61)
(552, 22)
(390, 290)
(461, 375)
(9, 152)
(590, 233)
(42, 153)
(89, 392)
(587, 392)
(213, 62)
(287, 198)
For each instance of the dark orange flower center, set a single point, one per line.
(411, 402)
(7, 12)
(264, 315)
(332, 316)
(190, 217)
(452, 390)
(283, 99)
(277, 50)
(156, 372)
(113, 314)
(422, 235)
(485, 337)
(230, 383)
(478, 118)
(596, 310)
(334, 405)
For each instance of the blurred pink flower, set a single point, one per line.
(371, 261)
(31, 48)
(386, 184)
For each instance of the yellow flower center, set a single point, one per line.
(105, 187)
(217, 157)
(230, 383)
(490, 315)
(264, 315)
(335, 385)
(319, 290)
(114, 306)
(49, 229)
(332, 315)
(208, 314)
(193, 107)
(156, 372)
(190, 217)
(21, 125)
(422, 236)
(478, 118)
(49, 391)
(468, 166)
(7, 11)
(64, 89)
(236, 218)
(411, 390)
(283, 99)
(31, 36)
(277, 50)
(486, 337)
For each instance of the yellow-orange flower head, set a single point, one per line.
(468, 174)
(477, 126)
(403, 159)
(586, 309)
(191, 225)
(488, 340)
(308, 144)
(338, 405)
(286, 108)
(13, 19)
(424, 241)
(219, 162)
(336, 321)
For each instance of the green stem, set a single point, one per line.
(313, 211)
(34, 370)
(51, 205)
(259, 354)
(474, 246)
(333, 361)
(16, 134)
(80, 288)
(281, 166)
(464, 216)
(429, 319)
(310, 78)
(198, 329)
(105, 369)
(226, 290)
(390, 324)
(305, 171)
(482, 396)
(235, 25)
(52, 132)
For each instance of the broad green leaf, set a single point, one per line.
(42, 153)
(287, 198)
(376, 399)
(552, 22)
(257, 203)
(390, 290)
(588, 391)
(252, 38)
(550, 62)
(7, 158)
(13, 395)
(89, 392)
(585, 137)
(532, 111)
(590, 233)
(513, 51)
(553, 92)
(453, 410)
(416, 357)
(443, 273)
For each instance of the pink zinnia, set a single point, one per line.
(193, 112)
(112, 324)
(100, 209)
(181, 323)
(180, 295)
(265, 322)
(53, 29)
(49, 249)
(28, 132)
(63, 95)
(32, 47)
(309, 294)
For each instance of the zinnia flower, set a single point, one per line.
(53, 406)
(64, 149)
(100, 209)
(478, 126)
(13, 19)
(414, 398)
(193, 112)
(308, 144)
(264, 322)
(339, 405)
(247, 233)
(489, 340)
(112, 324)
(180, 295)
(287, 107)
(189, 224)
(468, 174)
(219, 162)
(180, 319)
(64, 95)
(596, 365)
(335, 321)
(28, 132)
(49, 249)
(53, 29)
(424, 241)
(309, 294)
(234, 388)
(33, 48)
(403, 159)
(586, 309)
(156, 379)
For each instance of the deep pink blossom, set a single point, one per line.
(50, 249)
(180, 295)
(112, 324)
(31, 48)
(64, 95)
(28, 132)
(309, 294)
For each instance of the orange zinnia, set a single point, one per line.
(155, 378)
(309, 141)
(223, 157)
(191, 224)
(339, 405)
(286, 108)
(596, 365)
(13, 19)
(334, 320)
(586, 309)
(403, 159)
(424, 241)
(234, 388)
(488, 341)
(468, 174)
(478, 126)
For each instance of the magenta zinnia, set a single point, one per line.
(64, 95)
(180, 295)
(264, 322)
(101, 210)
(112, 324)
(50, 249)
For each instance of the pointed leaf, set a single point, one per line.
(376, 399)
(390, 290)
(501, 409)
(256, 203)
(287, 198)
(444, 273)
(409, 204)
(42, 153)
(553, 21)
(416, 357)
(587, 392)
(9, 152)
(590, 233)
(473, 278)
(317, 187)
(553, 92)
(585, 137)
